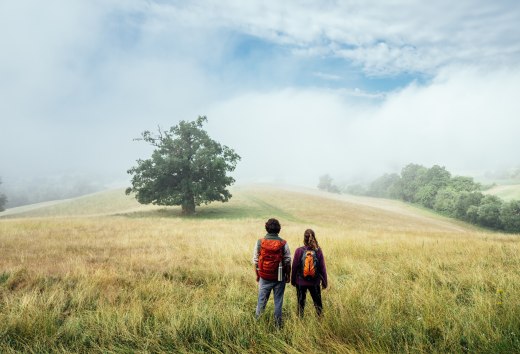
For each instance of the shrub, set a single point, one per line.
(445, 201)
(510, 216)
(489, 212)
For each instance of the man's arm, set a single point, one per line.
(323, 271)
(286, 255)
(286, 262)
(256, 253)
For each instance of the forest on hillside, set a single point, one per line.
(435, 188)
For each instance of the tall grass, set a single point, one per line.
(152, 282)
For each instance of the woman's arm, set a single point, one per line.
(295, 266)
(323, 270)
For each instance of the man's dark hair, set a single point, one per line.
(272, 226)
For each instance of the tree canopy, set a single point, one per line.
(187, 168)
(326, 184)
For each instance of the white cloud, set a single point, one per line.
(382, 37)
(79, 80)
(325, 76)
(465, 120)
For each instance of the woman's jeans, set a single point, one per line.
(264, 290)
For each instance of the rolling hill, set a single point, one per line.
(259, 201)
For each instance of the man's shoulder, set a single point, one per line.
(273, 237)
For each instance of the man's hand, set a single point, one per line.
(287, 278)
(257, 275)
(287, 272)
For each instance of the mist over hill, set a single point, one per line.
(32, 190)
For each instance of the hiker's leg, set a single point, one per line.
(264, 290)
(316, 298)
(301, 293)
(278, 291)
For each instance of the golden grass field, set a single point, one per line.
(103, 274)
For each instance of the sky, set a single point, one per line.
(298, 88)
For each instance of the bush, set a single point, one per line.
(472, 214)
(510, 216)
(465, 200)
(426, 195)
(445, 201)
(464, 184)
(411, 177)
(489, 212)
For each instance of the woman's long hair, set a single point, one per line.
(309, 239)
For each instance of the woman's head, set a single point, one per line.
(309, 239)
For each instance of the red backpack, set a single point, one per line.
(271, 254)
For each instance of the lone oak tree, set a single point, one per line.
(187, 168)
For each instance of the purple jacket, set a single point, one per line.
(296, 278)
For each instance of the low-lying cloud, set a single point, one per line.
(465, 119)
(79, 80)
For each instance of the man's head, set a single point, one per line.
(272, 226)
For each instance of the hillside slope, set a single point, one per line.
(96, 204)
(257, 201)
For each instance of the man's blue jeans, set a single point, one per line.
(264, 290)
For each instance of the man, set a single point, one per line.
(272, 260)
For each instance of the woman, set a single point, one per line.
(308, 272)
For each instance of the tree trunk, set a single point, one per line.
(188, 205)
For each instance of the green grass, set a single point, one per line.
(244, 206)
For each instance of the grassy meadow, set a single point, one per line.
(506, 191)
(104, 274)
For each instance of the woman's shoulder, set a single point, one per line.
(300, 249)
(306, 248)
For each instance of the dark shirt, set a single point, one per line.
(296, 277)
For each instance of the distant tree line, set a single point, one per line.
(455, 196)
(3, 200)
(511, 174)
(36, 190)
